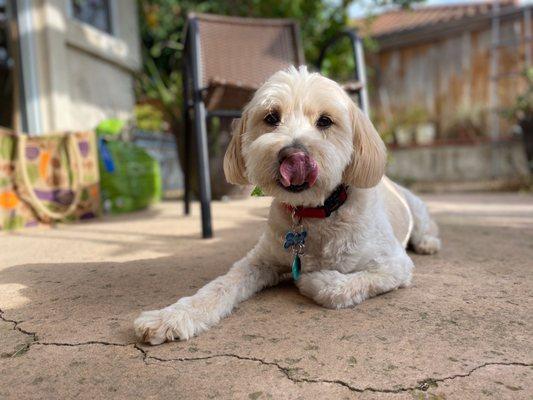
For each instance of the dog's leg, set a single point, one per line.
(425, 235)
(333, 289)
(192, 315)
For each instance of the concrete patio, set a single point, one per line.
(68, 297)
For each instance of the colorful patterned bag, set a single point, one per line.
(47, 178)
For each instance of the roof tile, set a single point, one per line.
(402, 20)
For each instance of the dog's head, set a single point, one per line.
(300, 137)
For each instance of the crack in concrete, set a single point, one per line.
(35, 340)
(88, 343)
(16, 326)
(422, 385)
(25, 346)
(427, 383)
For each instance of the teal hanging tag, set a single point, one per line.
(295, 240)
(296, 267)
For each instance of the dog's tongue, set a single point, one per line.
(298, 168)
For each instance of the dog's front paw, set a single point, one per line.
(328, 289)
(171, 323)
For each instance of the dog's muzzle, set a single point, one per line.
(297, 169)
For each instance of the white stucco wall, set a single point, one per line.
(97, 90)
(85, 75)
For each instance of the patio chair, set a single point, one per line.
(225, 60)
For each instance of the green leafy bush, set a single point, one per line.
(522, 110)
(149, 118)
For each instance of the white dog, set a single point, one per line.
(304, 142)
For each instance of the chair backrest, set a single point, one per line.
(245, 51)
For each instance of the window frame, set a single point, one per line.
(111, 17)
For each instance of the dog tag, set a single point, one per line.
(296, 239)
(296, 267)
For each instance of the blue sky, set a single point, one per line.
(361, 8)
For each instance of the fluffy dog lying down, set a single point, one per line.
(304, 142)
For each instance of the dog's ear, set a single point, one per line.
(369, 155)
(234, 167)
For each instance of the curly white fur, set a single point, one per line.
(356, 253)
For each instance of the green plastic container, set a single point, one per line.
(130, 178)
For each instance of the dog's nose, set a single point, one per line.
(297, 166)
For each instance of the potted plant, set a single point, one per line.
(412, 126)
(522, 113)
(467, 124)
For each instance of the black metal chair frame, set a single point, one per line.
(196, 115)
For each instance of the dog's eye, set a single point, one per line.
(272, 118)
(324, 122)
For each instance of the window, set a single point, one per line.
(96, 13)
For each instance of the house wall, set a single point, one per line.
(449, 75)
(84, 74)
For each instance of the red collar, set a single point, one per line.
(332, 203)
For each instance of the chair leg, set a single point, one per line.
(203, 167)
(187, 162)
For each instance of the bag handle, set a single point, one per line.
(77, 172)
